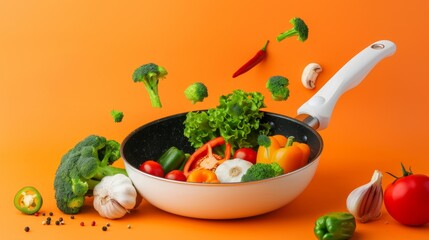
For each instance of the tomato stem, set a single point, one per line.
(404, 172)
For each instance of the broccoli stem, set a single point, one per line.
(153, 94)
(287, 34)
(108, 171)
(92, 183)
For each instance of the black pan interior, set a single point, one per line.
(151, 140)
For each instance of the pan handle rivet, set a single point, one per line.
(377, 46)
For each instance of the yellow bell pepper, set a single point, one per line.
(288, 154)
(202, 175)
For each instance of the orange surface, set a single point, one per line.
(65, 64)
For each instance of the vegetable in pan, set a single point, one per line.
(82, 168)
(204, 158)
(202, 176)
(196, 92)
(335, 226)
(171, 159)
(150, 74)
(237, 119)
(290, 155)
(260, 171)
(299, 29)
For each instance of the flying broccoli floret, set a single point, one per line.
(83, 167)
(299, 29)
(260, 171)
(196, 92)
(277, 85)
(117, 115)
(150, 74)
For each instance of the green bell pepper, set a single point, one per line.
(335, 226)
(171, 159)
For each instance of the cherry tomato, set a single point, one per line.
(407, 198)
(176, 175)
(153, 168)
(247, 154)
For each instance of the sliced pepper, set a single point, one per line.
(204, 157)
(171, 159)
(28, 200)
(202, 176)
(335, 226)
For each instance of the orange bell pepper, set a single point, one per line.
(293, 156)
(204, 157)
(264, 152)
(202, 175)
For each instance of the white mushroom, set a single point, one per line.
(309, 75)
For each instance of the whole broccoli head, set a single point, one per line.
(83, 167)
(299, 29)
(260, 171)
(150, 74)
(277, 85)
(196, 92)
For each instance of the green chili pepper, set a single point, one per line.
(28, 200)
(171, 159)
(335, 226)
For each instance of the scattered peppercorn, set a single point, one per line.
(57, 223)
(108, 224)
(129, 226)
(43, 214)
(72, 216)
(93, 223)
(60, 219)
(82, 224)
(51, 214)
(104, 228)
(48, 222)
(27, 229)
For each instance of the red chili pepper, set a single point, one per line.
(259, 56)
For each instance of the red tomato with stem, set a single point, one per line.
(407, 198)
(247, 154)
(153, 168)
(176, 175)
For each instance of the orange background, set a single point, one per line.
(65, 64)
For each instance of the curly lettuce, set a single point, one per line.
(237, 119)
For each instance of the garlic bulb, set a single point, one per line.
(365, 202)
(232, 170)
(114, 196)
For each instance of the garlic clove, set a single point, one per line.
(365, 202)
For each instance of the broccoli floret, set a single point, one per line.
(196, 92)
(278, 170)
(83, 167)
(150, 74)
(299, 29)
(117, 115)
(261, 171)
(277, 85)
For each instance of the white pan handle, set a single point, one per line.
(319, 107)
